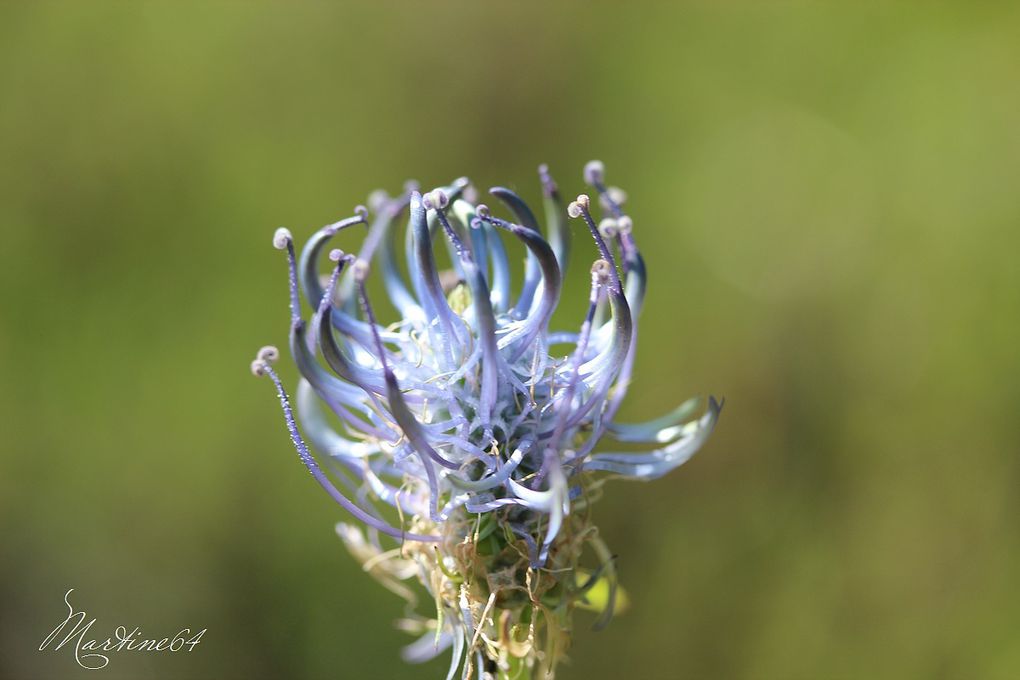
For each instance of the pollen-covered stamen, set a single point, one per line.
(326, 300)
(479, 237)
(328, 386)
(367, 382)
(263, 358)
(636, 277)
(624, 225)
(437, 200)
(580, 208)
(549, 186)
(356, 388)
(360, 271)
(609, 228)
(611, 198)
(309, 264)
(310, 463)
(594, 172)
(282, 240)
(451, 193)
(601, 274)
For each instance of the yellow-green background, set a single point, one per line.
(827, 196)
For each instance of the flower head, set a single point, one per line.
(467, 430)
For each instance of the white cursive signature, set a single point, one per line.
(88, 652)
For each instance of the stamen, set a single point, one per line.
(548, 184)
(360, 270)
(282, 240)
(609, 228)
(323, 321)
(611, 198)
(309, 265)
(580, 208)
(435, 200)
(594, 172)
(601, 273)
(263, 360)
(338, 256)
(378, 200)
(576, 206)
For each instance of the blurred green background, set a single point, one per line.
(826, 196)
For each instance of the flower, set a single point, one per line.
(467, 430)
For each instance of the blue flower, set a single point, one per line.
(467, 430)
